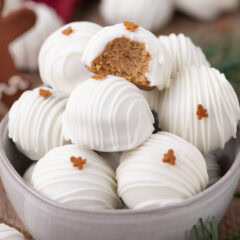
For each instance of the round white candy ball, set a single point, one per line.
(183, 52)
(140, 58)
(107, 115)
(60, 57)
(145, 180)
(201, 107)
(205, 9)
(77, 178)
(150, 14)
(35, 122)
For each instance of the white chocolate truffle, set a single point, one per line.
(35, 122)
(129, 51)
(150, 14)
(9, 233)
(60, 63)
(206, 10)
(28, 174)
(145, 180)
(183, 52)
(25, 49)
(201, 107)
(92, 187)
(213, 168)
(107, 115)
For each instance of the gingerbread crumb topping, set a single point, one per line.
(130, 26)
(78, 162)
(201, 112)
(67, 31)
(169, 157)
(99, 76)
(44, 92)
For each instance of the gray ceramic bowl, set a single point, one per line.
(47, 220)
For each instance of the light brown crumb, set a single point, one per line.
(78, 162)
(201, 112)
(67, 31)
(99, 76)
(125, 58)
(44, 92)
(169, 157)
(130, 26)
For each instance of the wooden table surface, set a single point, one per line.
(201, 33)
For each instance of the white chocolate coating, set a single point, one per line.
(25, 49)
(35, 123)
(28, 174)
(206, 10)
(183, 52)
(107, 115)
(150, 14)
(160, 64)
(145, 181)
(178, 106)
(92, 187)
(213, 168)
(60, 63)
(9, 233)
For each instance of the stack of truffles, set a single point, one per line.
(102, 86)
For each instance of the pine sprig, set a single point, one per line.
(224, 55)
(203, 231)
(209, 231)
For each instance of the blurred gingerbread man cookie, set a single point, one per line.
(12, 82)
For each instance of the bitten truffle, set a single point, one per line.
(132, 52)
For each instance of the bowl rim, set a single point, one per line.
(113, 212)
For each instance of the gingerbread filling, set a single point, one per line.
(124, 58)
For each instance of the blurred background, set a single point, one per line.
(212, 24)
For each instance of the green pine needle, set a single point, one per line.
(203, 231)
(224, 55)
(209, 231)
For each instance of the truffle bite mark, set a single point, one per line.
(125, 58)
